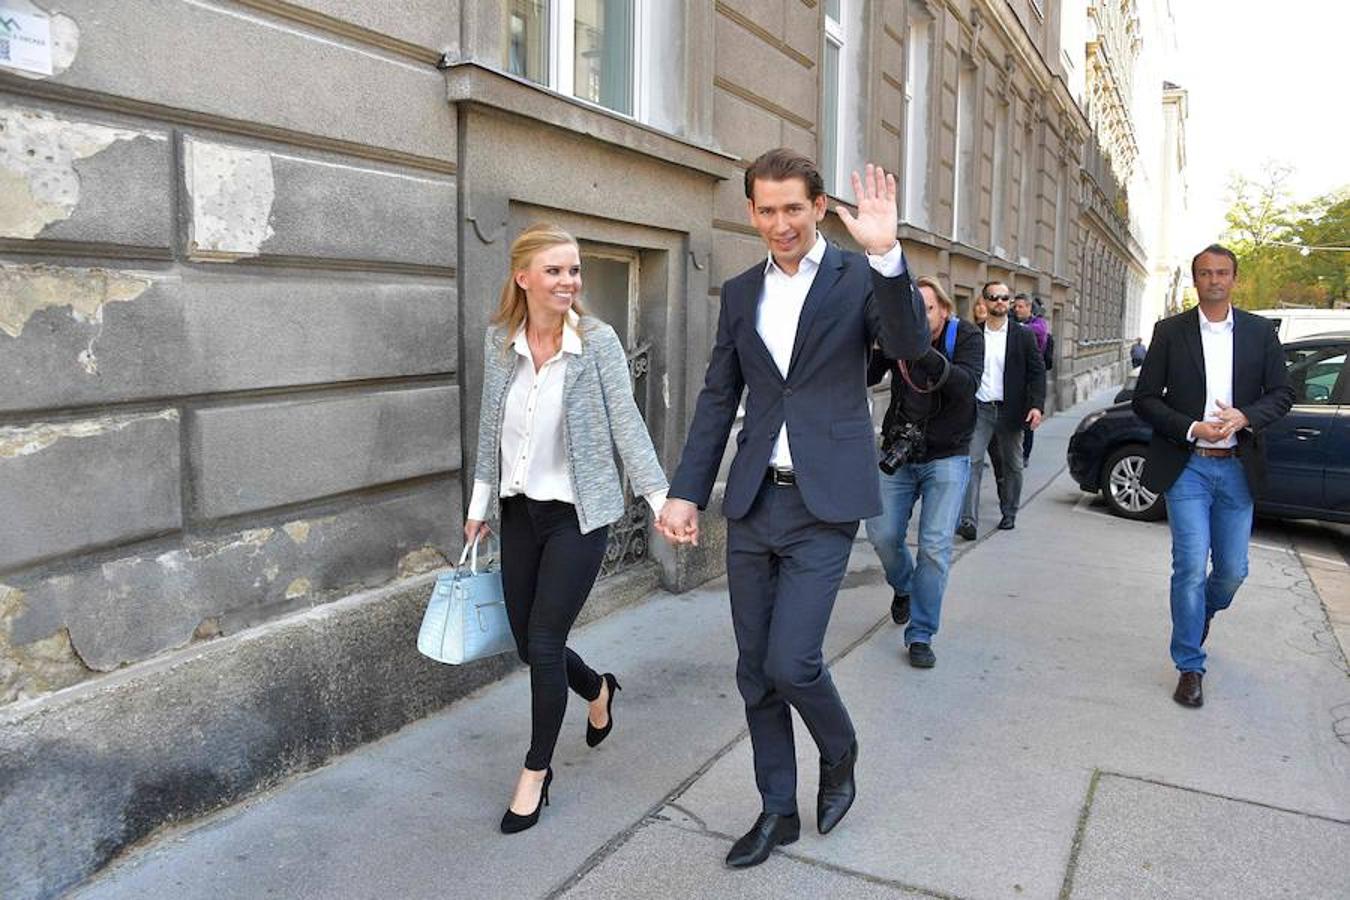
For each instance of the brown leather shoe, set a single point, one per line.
(1188, 690)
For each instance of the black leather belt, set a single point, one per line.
(781, 476)
(1215, 452)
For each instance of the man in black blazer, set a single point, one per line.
(1011, 395)
(1213, 378)
(794, 334)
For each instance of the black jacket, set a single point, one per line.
(1170, 394)
(1023, 377)
(948, 414)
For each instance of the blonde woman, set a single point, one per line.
(557, 402)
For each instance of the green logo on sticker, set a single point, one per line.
(11, 24)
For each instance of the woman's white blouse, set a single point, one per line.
(534, 458)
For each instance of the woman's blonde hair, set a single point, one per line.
(512, 310)
(976, 306)
(935, 286)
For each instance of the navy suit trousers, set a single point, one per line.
(784, 568)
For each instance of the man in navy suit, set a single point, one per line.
(794, 333)
(1214, 377)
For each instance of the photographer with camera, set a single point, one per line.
(925, 456)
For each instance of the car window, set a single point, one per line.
(1317, 374)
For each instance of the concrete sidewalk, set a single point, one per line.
(1043, 757)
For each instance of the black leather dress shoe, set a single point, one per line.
(1007, 523)
(900, 609)
(1188, 691)
(770, 830)
(966, 530)
(837, 790)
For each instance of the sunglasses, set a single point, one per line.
(997, 297)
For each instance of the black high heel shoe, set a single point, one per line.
(513, 822)
(595, 735)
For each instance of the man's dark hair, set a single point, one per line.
(1022, 295)
(782, 164)
(1218, 249)
(984, 291)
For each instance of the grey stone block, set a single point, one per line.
(1152, 840)
(332, 89)
(262, 455)
(75, 337)
(395, 218)
(79, 180)
(160, 743)
(746, 61)
(249, 202)
(131, 609)
(433, 24)
(69, 486)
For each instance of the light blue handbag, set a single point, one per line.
(466, 617)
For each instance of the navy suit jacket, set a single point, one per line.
(1170, 393)
(823, 399)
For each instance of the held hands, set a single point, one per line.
(678, 521)
(874, 225)
(1230, 417)
(1034, 418)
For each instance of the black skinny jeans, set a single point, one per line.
(548, 568)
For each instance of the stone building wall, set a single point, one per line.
(248, 249)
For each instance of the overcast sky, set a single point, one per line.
(1266, 80)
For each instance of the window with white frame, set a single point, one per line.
(998, 212)
(623, 55)
(917, 100)
(965, 185)
(1026, 205)
(843, 71)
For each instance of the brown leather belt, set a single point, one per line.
(781, 476)
(1215, 452)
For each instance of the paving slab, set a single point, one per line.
(1161, 842)
(665, 860)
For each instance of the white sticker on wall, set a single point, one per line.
(25, 41)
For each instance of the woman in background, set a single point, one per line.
(557, 401)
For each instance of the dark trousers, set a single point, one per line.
(784, 568)
(548, 568)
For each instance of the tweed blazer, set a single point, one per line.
(600, 416)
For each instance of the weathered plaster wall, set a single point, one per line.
(229, 396)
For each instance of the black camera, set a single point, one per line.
(903, 444)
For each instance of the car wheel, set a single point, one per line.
(1122, 489)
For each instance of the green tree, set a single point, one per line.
(1261, 218)
(1322, 273)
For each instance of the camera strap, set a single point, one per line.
(949, 345)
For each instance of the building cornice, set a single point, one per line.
(472, 84)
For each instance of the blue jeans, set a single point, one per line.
(941, 485)
(1209, 509)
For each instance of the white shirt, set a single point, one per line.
(1216, 342)
(780, 309)
(534, 457)
(995, 361)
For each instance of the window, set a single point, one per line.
(1026, 206)
(594, 50)
(965, 186)
(1062, 220)
(998, 213)
(843, 71)
(917, 98)
(1314, 374)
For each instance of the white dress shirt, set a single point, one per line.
(1216, 342)
(995, 361)
(534, 456)
(780, 309)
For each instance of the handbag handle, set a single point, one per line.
(473, 560)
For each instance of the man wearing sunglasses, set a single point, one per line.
(1011, 394)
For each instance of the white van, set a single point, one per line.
(1292, 324)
